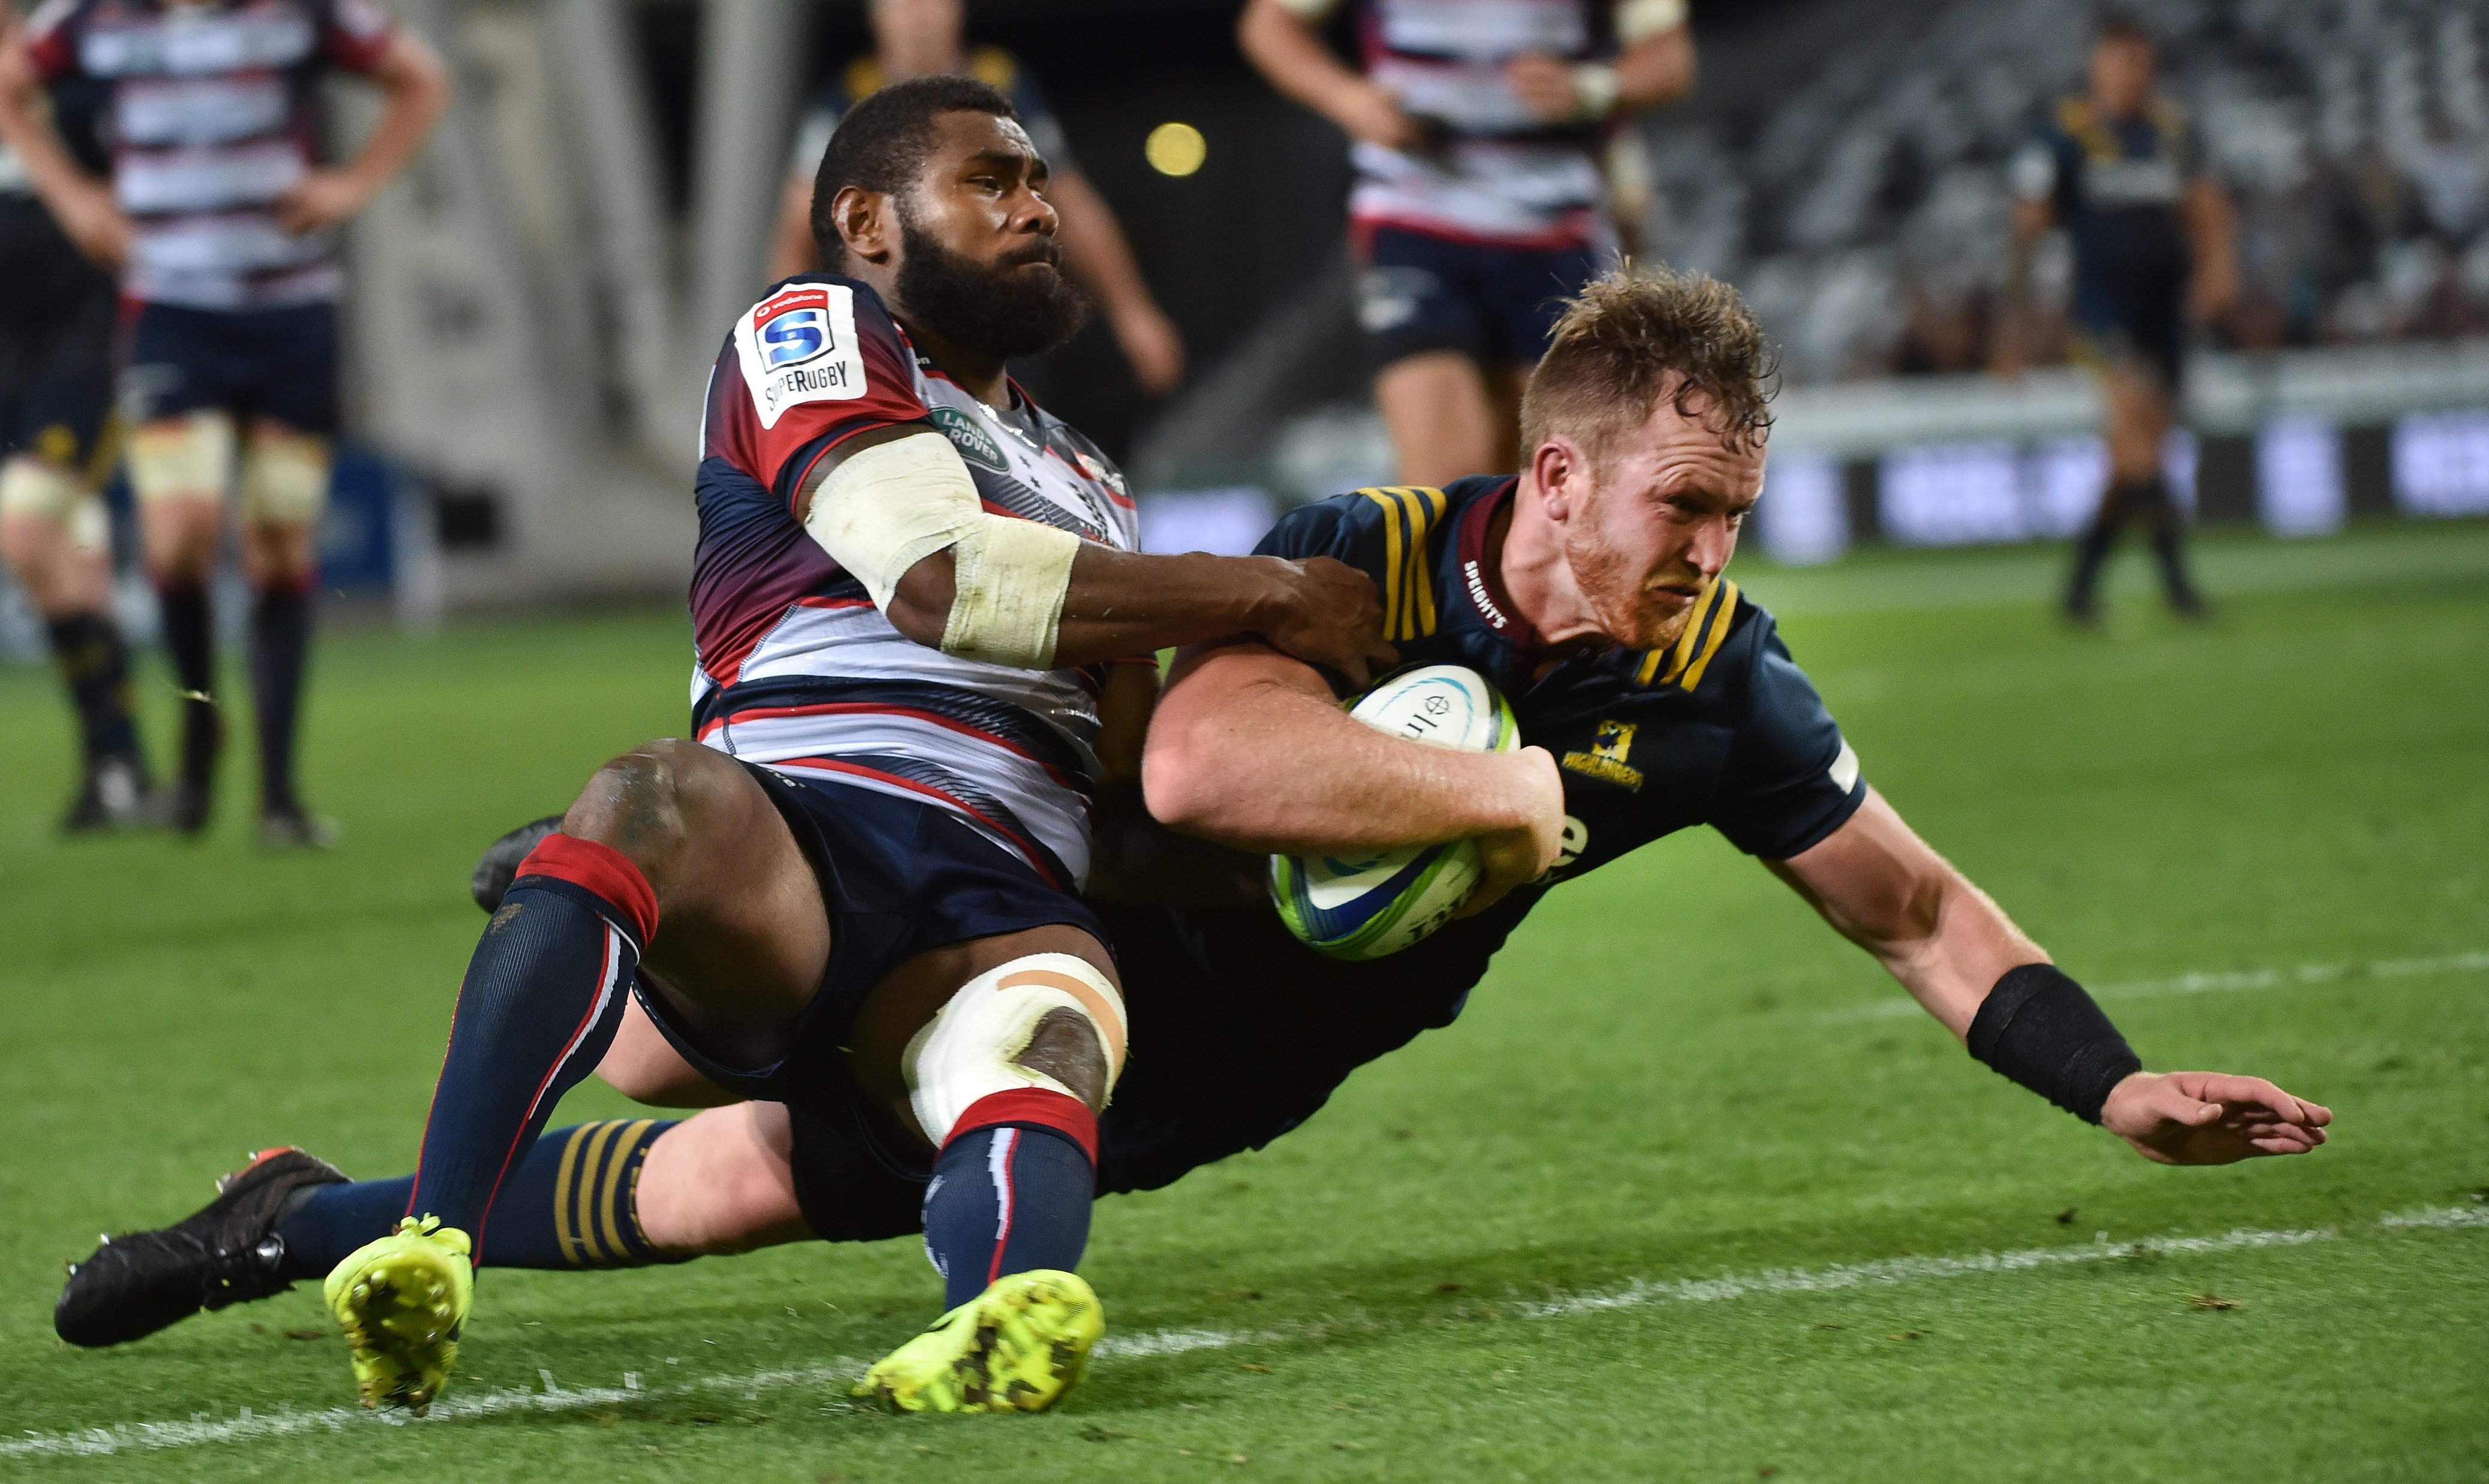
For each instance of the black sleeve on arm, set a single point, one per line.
(1346, 528)
(1790, 779)
(2039, 1028)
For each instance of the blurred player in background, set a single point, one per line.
(220, 221)
(929, 39)
(55, 404)
(2117, 167)
(1476, 129)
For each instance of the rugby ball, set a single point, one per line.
(1367, 907)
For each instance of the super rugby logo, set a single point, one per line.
(799, 344)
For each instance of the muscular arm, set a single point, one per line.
(1880, 887)
(2212, 237)
(1125, 603)
(1251, 749)
(1290, 54)
(417, 85)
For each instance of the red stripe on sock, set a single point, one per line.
(600, 868)
(1035, 1108)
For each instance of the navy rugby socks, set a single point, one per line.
(1011, 1190)
(572, 1203)
(541, 1001)
(191, 645)
(281, 647)
(95, 666)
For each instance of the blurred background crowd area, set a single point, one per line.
(535, 306)
(1863, 204)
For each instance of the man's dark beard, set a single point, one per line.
(999, 311)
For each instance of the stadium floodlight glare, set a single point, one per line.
(1176, 148)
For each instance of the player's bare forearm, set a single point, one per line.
(2212, 240)
(1094, 249)
(1883, 889)
(1656, 69)
(418, 86)
(1291, 55)
(1248, 748)
(1125, 603)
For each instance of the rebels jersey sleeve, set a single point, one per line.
(1788, 779)
(813, 363)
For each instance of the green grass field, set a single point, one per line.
(1678, 1198)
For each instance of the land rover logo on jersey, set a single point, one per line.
(974, 442)
(1606, 759)
(799, 344)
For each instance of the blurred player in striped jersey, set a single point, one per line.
(929, 39)
(221, 223)
(1476, 128)
(55, 404)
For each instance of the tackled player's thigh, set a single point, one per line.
(743, 933)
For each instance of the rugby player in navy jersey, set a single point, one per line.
(56, 438)
(221, 223)
(856, 892)
(1652, 695)
(2117, 167)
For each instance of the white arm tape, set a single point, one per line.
(1639, 20)
(1010, 579)
(970, 1050)
(888, 507)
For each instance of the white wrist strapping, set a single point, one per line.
(888, 507)
(1595, 89)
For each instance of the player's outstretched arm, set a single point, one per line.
(1251, 749)
(1962, 959)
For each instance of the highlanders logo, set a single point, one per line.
(799, 344)
(1606, 759)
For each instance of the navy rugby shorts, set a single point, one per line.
(1497, 305)
(56, 321)
(900, 878)
(2131, 318)
(275, 363)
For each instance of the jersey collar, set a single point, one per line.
(1469, 552)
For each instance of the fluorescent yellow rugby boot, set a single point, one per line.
(1016, 1346)
(402, 1301)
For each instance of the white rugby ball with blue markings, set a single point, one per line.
(1370, 906)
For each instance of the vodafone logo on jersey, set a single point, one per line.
(799, 344)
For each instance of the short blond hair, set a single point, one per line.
(1633, 335)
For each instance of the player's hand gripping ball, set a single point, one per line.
(1378, 904)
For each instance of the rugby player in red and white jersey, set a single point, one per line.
(220, 221)
(856, 893)
(1476, 128)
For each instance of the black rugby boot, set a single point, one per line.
(227, 1253)
(499, 866)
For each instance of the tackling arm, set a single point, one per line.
(1953, 947)
(1251, 749)
(898, 509)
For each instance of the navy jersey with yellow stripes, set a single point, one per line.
(1249, 1031)
(1720, 728)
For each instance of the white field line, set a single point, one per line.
(2211, 983)
(247, 1425)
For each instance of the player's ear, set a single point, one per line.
(1561, 473)
(867, 224)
